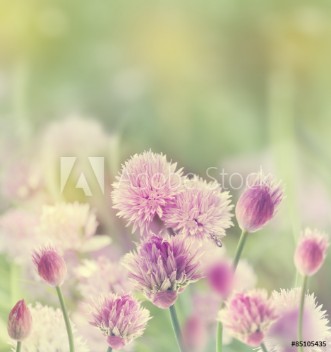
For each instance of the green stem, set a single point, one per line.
(109, 349)
(176, 327)
(19, 346)
(219, 337)
(263, 348)
(302, 303)
(240, 247)
(66, 319)
(239, 250)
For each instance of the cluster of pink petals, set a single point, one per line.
(248, 316)
(258, 203)
(201, 210)
(311, 252)
(163, 267)
(144, 187)
(121, 319)
(50, 265)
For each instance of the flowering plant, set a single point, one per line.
(110, 292)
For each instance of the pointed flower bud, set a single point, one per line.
(19, 321)
(310, 252)
(258, 203)
(50, 265)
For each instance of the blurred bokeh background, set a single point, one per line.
(227, 85)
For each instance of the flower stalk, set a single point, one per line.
(176, 328)
(301, 310)
(19, 346)
(239, 250)
(219, 337)
(66, 319)
(263, 348)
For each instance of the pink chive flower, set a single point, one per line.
(310, 252)
(50, 265)
(163, 267)
(19, 321)
(248, 316)
(258, 203)
(121, 319)
(220, 276)
(144, 187)
(201, 210)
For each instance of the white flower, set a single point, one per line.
(102, 276)
(67, 225)
(48, 332)
(18, 234)
(245, 278)
(74, 135)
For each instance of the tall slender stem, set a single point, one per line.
(239, 250)
(66, 319)
(219, 337)
(176, 327)
(109, 349)
(263, 348)
(302, 303)
(19, 346)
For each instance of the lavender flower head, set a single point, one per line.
(311, 252)
(121, 319)
(201, 210)
(163, 267)
(258, 203)
(143, 189)
(248, 316)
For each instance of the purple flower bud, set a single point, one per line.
(221, 278)
(19, 321)
(50, 265)
(310, 252)
(258, 203)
